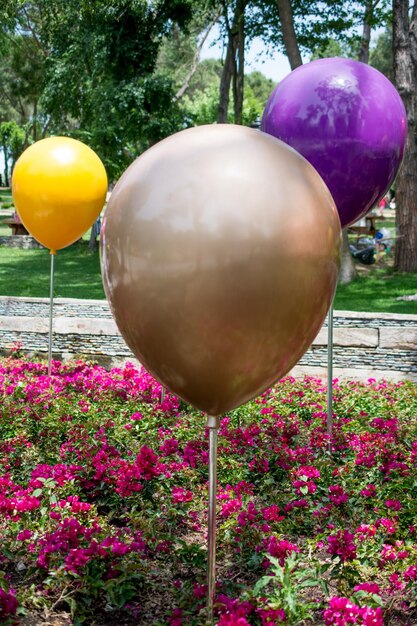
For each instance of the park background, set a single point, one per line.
(120, 76)
(103, 486)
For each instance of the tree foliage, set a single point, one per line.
(381, 54)
(22, 79)
(12, 141)
(99, 61)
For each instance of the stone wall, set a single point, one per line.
(26, 242)
(366, 345)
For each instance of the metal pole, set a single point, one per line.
(212, 424)
(330, 377)
(163, 392)
(51, 313)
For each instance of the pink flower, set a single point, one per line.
(271, 513)
(368, 492)
(8, 604)
(176, 618)
(371, 617)
(337, 495)
(279, 549)
(341, 544)
(248, 517)
(365, 530)
(228, 508)
(395, 505)
(342, 612)
(24, 534)
(232, 620)
(368, 587)
(387, 524)
(179, 494)
(308, 471)
(410, 573)
(271, 616)
(200, 591)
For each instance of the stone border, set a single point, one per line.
(24, 242)
(366, 345)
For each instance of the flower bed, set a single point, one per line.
(103, 498)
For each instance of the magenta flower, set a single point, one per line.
(279, 549)
(395, 505)
(271, 617)
(342, 612)
(369, 491)
(368, 587)
(337, 495)
(179, 494)
(8, 604)
(342, 545)
(232, 620)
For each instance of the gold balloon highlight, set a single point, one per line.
(220, 257)
(59, 187)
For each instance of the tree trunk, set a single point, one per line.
(363, 55)
(348, 270)
(225, 79)
(6, 167)
(288, 33)
(239, 62)
(347, 266)
(227, 74)
(404, 39)
(233, 66)
(196, 59)
(35, 121)
(93, 243)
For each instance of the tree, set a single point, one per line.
(233, 69)
(22, 79)
(12, 141)
(179, 54)
(380, 55)
(404, 31)
(288, 33)
(201, 105)
(295, 26)
(260, 85)
(100, 79)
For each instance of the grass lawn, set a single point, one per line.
(5, 197)
(26, 273)
(77, 275)
(376, 290)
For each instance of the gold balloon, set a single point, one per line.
(220, 257)
(59, 188)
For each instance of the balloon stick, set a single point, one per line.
(212, 424)
(51, 313)
(330, 376)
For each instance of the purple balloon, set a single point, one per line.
(349, 121)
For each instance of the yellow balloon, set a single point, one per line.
(59, 187)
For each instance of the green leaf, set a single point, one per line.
(309, 583)
(261, 584)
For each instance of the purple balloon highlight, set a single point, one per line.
(349, 122)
